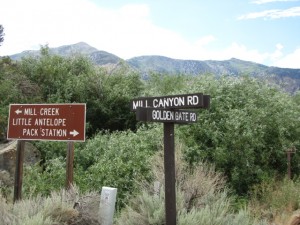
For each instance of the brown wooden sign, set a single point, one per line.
(53, 122)
(166, 115)
(186, 101)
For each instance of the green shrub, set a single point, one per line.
(38, 180)
(118, 160)
(246, 131)
(115, 159)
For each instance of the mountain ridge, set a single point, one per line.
(162, 64)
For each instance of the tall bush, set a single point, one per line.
(115, 159)
(246, 131)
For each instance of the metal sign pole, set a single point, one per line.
(19, 170)
(169, 165)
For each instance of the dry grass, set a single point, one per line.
(278, 201)
(201, 198)
(5, 212)
(60, 208)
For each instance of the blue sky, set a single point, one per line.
(262, 31)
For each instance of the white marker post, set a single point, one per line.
(107, 205)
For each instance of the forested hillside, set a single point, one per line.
(245, 134)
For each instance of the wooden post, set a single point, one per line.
(289, 164)
(19, 170)
(70, 165)
(289, 152)
(169, 164)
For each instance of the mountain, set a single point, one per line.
(232, 66)
(194, 67)
(98, 57)
(288, 78)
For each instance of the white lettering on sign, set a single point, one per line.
(193, 117)
(21, 121)
(44, 132)
(30, 132)
(162, 115)
(49, 122)
(192, 100)
(29, 111)
(42, 112)
(139, 103)
(179, 116)
(168, 102)
(49, 111)
(54, 132)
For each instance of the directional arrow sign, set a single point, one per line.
(53, 122)
(18, 111)
(74, 133)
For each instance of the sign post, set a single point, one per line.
(169, 165)
(51, 122)
(167, 110)
(70, 165)
(19, 171)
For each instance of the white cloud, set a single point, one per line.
(57, 22)
(205, 40)
(272, 14)
(279, 46)
(289, 61)
(277, 53)
(259, 2)
(240, 51)
(127, 32)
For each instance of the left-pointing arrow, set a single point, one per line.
(18, 111)
(74, 133)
